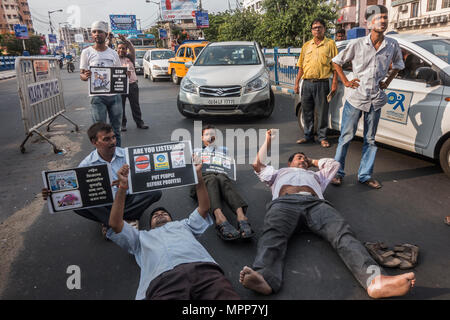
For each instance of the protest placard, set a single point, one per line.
(160, 166)
(219, 163)
(77, 188)
(108, 80)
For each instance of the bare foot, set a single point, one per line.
(253, 280)
(391, 286)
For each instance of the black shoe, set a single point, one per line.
(124, 128)
(142, 126)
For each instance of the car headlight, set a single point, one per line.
(257, 84)
(155, 67)
(188, 86)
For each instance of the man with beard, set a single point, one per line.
(103, 139)
(100, 55)
(371, 57)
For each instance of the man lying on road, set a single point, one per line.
(103, 139)
(174, 265)
(298, 202)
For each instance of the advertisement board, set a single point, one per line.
(178, 9)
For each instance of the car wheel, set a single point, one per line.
(271, 105)
(175, 78)
(444, 157)
(181, 109)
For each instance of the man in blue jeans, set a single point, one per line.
(371, 57)
(100, 55)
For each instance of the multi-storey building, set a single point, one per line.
(67, 34)
(14, 12)
(419, 16)
(351, 12)
(253, 4)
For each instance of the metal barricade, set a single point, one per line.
(285, 70)
(41, 95)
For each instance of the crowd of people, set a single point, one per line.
(173, 264)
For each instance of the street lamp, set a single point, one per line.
(50, 20)
(158, 3)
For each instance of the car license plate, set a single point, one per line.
(221, 101)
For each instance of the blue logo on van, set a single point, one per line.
(397, 100)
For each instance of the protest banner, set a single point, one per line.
(108, 80)
(160, 166)
(77, 188)
(219, 163)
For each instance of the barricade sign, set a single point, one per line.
(41, 95)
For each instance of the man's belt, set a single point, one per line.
(317, 80)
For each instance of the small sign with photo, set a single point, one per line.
(219, 163)
(78, 188)
(108, 80)
(160, 166)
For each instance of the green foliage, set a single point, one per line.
(14, 46)
(285, 23)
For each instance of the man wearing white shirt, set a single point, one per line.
(298, 202)
(100, 55)
(371, 57)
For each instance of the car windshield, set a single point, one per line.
(228, 55)
(140, 54)
(439, 47)
(197, 50)
(162, 55)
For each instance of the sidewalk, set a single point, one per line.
(8, 74)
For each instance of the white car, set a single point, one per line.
(417, 115)
(227, 78)
(156, 63)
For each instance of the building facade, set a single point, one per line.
(419, 16)
(351, 13)
(67, 34)
(14, 12)
(253, 4)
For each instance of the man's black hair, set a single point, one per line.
(375, 9)
(158, 209)
(341, 31)
(321, 21)
(207, 126)
(292, 156)
(96, 128)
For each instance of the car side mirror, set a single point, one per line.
(270, 63)
(428, 75)
(188, 64)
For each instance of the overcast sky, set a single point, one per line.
(91, 10)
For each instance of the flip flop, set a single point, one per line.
(304, 140)
(384, 257)
(245, 229)
(227, 232)
(408, 254)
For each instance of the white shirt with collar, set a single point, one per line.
(370, 66)
(118, 160)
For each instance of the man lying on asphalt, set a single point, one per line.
(174, 265)
(298, 202)
(103, 139)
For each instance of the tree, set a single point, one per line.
(287, 23)
(14, 46)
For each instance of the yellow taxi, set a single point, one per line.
(188, 51)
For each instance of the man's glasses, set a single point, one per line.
(317, 28)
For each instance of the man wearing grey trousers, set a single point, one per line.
(298, 202)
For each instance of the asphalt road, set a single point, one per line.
(408, 209)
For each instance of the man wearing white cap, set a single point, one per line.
(100, 55)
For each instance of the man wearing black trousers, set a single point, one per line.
(128, 60)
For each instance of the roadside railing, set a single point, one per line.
(7, 63)
(285, 70)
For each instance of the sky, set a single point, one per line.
(92, 10)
